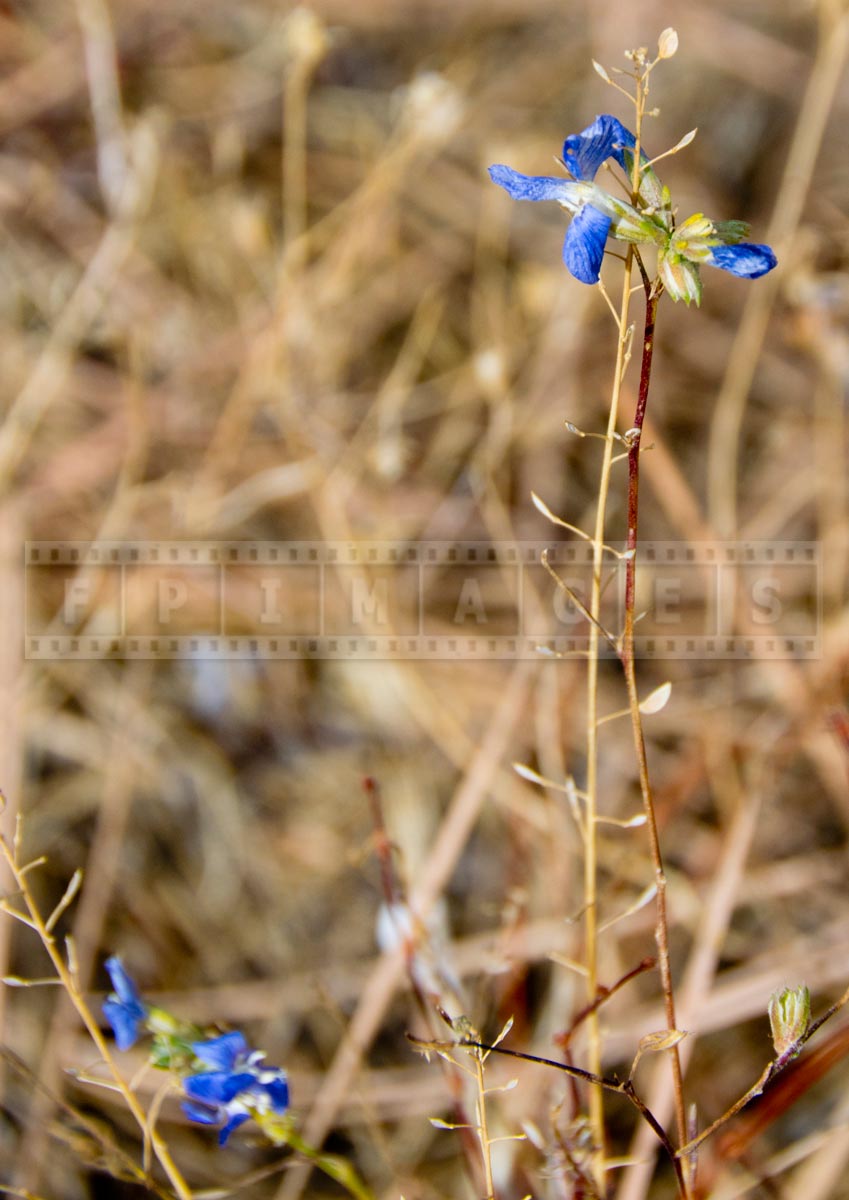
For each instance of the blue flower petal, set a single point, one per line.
(217, 1087)
(277, 1091)
(235, 1121)
(583, 246)
(124, 1021)
(122, 984)
(747, 259)
(221, 1053)
(203, 1114)
(583, 153)
(124, 1009)
(533, 187)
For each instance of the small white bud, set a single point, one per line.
(685, 141)
(657, 700)
(667, 43)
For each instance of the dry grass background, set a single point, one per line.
(257, 286)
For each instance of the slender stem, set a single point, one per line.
(756, 1089)
(769, 1073)
(591, 802)
(483, 1131)
(602, 1084)
(69, 983)
(634, 437)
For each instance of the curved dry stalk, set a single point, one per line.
(67, 977)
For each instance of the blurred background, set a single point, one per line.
(257, 288)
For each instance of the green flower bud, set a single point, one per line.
(789, 1018)
(171, 1047)
(680, 277)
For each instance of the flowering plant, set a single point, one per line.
(225, 1082)
(645, 219)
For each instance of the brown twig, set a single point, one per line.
(621, 1088)
(633, 438)
(604, 994)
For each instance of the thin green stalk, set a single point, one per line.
(333, 1165)
(591, 810)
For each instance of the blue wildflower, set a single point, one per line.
(124, 1008)
(236, 1088)
(595, 211)
(598, 215)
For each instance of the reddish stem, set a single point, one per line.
(633, 438)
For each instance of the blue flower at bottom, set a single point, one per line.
(124, 1008)
(237, 1087)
